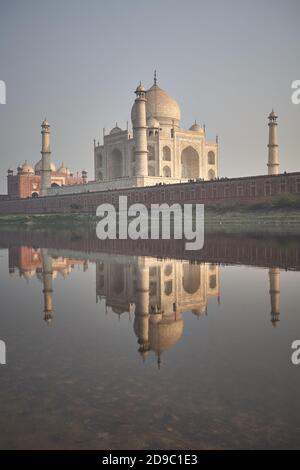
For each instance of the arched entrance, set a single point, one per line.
(151, 169)
(211, 160)
(191, 278)
(211, 175)
(116, 164)
(167, 171)
(166, 153)
(189, 163)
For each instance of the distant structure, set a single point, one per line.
(159, 149)
(273, 156)
(146, 165)
(46, 158)
(34, 182)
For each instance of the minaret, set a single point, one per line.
(140, 133)
(274, 279)
(47, 284)
(273, 157)
(142, 309)
(46, 158)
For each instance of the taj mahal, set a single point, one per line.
(159, 149)
(154, 160)
(156, 151)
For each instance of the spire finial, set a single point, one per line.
(155, 78)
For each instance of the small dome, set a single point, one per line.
(45, 123)
(116, 129)
(25, 168)
(63, 169)
(38, 166)
(28, 274)
(199, 311)
(140, 87)
(195, 127)
(152, 123)
(118, 310)
(273, 115)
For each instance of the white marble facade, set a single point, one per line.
(174, 154)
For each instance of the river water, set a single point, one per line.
(108, 348)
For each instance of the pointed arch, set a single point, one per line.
(189, 163)
(116, 164)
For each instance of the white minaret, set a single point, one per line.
(140, 133)
(273, 158)
(46, 158)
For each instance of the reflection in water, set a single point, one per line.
(158, 292)
(158, 378)
(274, 276)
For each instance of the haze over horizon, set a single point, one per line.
(226, 63)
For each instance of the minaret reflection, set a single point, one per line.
(47, 275)
(39, 262)
(141, 319)
(274, 280)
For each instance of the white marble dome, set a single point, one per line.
(38, 166)
(26, 168)
(164, 334)
(160, 106)
(116, 130)
(195, 127)
(152, 123)
(63, 169)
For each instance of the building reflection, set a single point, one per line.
(160, 291)
(37, 262)
(156, 292)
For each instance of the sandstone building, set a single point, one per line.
(28, 180)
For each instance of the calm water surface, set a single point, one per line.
(112, 350)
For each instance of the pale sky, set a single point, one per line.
(227, 62)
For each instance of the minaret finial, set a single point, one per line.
(155, 78)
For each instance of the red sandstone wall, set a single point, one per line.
(225, 192)
(24, 185)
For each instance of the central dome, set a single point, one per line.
(160, 106)
(38, 166)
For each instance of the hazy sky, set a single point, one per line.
(77, 62)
